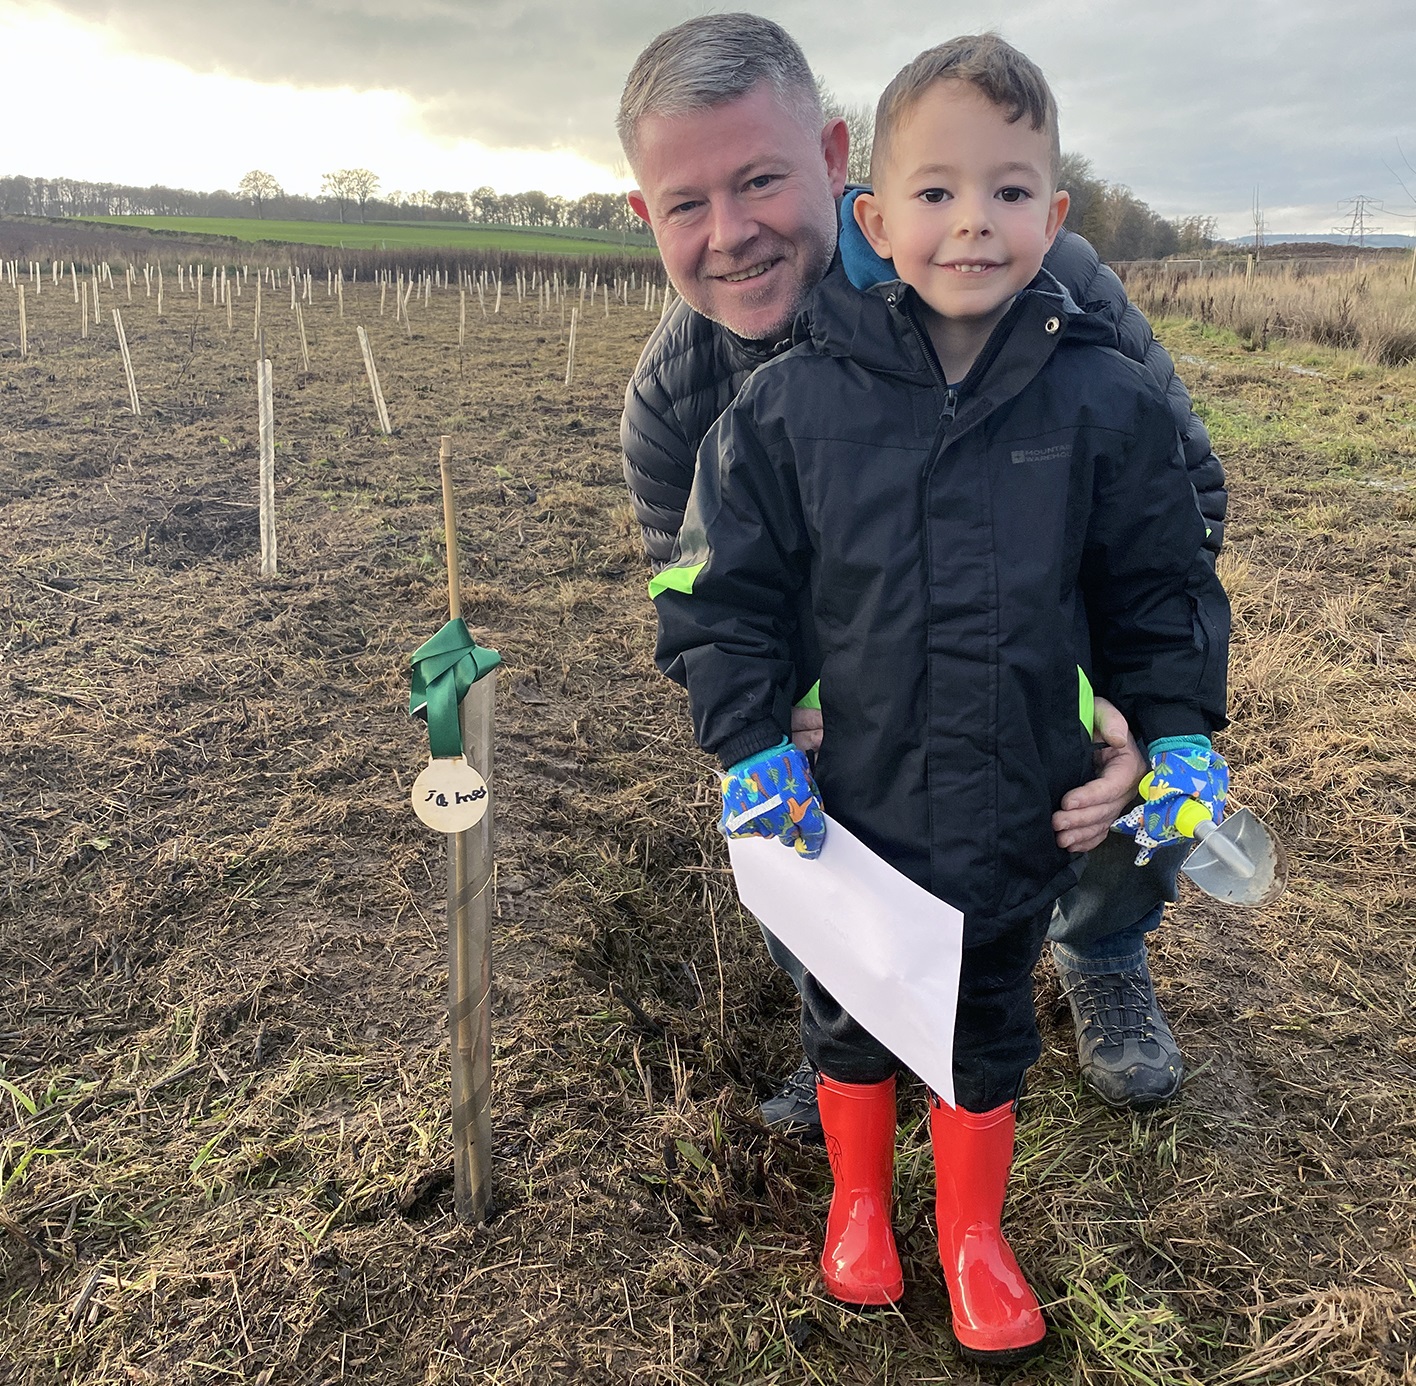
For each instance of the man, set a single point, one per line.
(741, 177)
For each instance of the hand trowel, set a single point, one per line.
(1238, 861)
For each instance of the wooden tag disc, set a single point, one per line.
(450, 796)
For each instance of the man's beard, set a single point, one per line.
(813, 259)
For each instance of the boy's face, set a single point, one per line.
(967, 209)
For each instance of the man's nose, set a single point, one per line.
(732, 226)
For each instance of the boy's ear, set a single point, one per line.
(872, 224)
(638, 205)
(1057, 214)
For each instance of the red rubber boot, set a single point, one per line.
(860, 1264)
(996, 1316)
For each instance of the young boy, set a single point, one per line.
(982, 503)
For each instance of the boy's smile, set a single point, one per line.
(966, 210)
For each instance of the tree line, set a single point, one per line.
(1109, 215)
(345, 195)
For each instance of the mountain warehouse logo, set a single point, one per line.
(1053, 454)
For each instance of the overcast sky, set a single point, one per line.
(1190, 105)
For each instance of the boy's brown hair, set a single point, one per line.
(987, 63)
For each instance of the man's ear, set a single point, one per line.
(1057, 214)
(872, 224)
(638, 205)
(836, 147)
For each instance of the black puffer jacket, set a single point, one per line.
(955, 547)
(691, 369)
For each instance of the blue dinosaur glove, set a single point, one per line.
(772, 794)
(1188, 784)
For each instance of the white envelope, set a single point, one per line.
(887, 950)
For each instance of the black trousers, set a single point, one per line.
(995, 1030)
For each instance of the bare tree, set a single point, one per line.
(336, 185)
(362, 186)
(259, 187)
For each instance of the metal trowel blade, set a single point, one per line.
(1216, 877)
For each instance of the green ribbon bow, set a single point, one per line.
(443, 670)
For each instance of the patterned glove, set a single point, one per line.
(1188, 785)
(772, 794)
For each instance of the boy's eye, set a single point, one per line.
(1014, 194)
(933, 195)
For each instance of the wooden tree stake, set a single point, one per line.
(127, 362)
(304, 343)
(372, 371)
(265, 398)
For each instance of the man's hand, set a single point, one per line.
(806, 728)
(1088, 811)
(772, 794)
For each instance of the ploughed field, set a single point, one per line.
(224, 1137)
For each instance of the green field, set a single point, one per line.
(386, 235)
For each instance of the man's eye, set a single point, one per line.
(933, 195)
(681, 208)
(1014, 194)
(763, 180)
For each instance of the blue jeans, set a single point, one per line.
(1100, 925)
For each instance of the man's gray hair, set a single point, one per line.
(710, 60)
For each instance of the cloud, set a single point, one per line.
(1191, 106)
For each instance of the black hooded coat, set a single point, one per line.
(971, 560)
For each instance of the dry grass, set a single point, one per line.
(224, 1148)
(1370, 308)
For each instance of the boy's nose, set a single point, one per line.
(972, 217)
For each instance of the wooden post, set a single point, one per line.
(83, 330)
(570, 349)
(304, 344)
(24, 327)
(373, 373)
(497, 309)
(127, 362)
(469, 952)
(383, 295)
(256, 330)
(462, 319)
(265, 402)
(1411, 270)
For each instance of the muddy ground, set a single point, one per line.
(224, 1143)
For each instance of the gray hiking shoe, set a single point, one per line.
(1127, 1054)
(792, 1109)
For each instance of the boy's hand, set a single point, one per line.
(1089, 810)
(1188, 783)
(772, 794)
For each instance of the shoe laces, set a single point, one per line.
(1120, 1005)
(802, 1083)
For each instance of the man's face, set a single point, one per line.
(742, 199)
(967, 208)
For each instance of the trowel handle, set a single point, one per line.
(1223, 848)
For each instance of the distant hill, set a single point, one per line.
(1382, 242)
